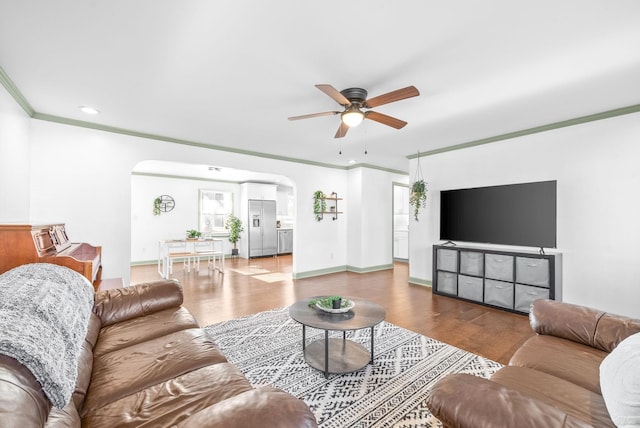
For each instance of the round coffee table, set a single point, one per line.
(335, 355)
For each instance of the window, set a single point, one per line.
(215, 206)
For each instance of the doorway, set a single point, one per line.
(400, 222)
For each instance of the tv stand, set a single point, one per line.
(508, 280)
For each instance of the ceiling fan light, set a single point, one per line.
(352, 117)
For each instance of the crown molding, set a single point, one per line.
(6, 81)
(556, 125)
(379, 168)
(15, 93)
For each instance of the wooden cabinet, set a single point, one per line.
(507, 280)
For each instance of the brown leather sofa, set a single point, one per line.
(147, 363)
(552, 380)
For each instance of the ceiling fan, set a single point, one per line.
(354, 100)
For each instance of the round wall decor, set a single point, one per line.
(166, 203)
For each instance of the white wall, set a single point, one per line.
(353, 205)
(84, 180)
(371, 221)
(597, 167)
(14, 160)
(147, 229)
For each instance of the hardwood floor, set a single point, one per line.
(212, 297)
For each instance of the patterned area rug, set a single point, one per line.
(267, 348)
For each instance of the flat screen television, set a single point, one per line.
(514, 214)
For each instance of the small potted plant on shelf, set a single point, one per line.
(234, 225)
(319, 204)
(193, 234)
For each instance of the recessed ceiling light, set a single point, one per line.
(88, 110)
(352, 161)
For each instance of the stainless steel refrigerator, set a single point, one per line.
(263, 237)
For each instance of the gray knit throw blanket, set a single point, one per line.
(44, 316)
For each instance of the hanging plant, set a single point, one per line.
(319, 204)
(418, 198)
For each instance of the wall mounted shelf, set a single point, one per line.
(332, 205)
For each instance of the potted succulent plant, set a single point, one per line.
(234, 225)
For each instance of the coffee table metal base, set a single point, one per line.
(335, 355)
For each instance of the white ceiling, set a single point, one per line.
(228, 73)
(208, 172)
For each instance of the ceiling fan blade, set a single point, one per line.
(334, 93)
(342, 130)
(385, 120)
(389, 97)
(309, 116)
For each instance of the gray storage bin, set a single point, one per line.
(447, 260)
(470, 287)
(471, 263)
(526, 294)
(498, 293)
(447, 283)
(532, 271)
(498, 266)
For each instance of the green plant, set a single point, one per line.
(418, 198)
(234, 225)
(192, 234)
(327, 302)
(319, 204)
(156, 206)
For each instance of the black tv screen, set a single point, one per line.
(515, 214)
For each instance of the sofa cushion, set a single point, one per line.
(464, 400)
(129, 370)
(571, 361)
(580, 324)
(120, 304)
(169, 402)
(620, 382)
(560, 319)
(613, 329)
(260, 407)
(579, 402)
(140, 329)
